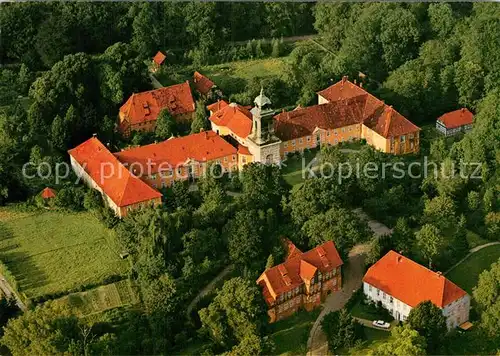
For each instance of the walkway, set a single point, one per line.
(156, 84)
(353, 275)
(472, 251)
(208, 288)
(377, 227)
(9, 292)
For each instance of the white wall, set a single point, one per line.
(455, 313)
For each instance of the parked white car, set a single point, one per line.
(381, 324)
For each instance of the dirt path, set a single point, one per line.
(471, 252)
(156, 84)
(208, 288)
(353, 275)
(8, 291)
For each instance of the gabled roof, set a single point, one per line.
(411, 282)
(243, 150)
(348, 104)
(302, 122)
(48, 193)
(457, 118)
(202, 83)
(297, 269)
(235, 117)
(387, 122)
(110, 175)
(159, 58)
(201, 147)
(146, 106)
(217, 106)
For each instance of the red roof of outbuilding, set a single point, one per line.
(297, 269)
(159, 58)
(457, 118)
(146, 106)
(108, 173)
(411, 282)
(235, 117)
(48, 193)
(202, 147)
(202, 83)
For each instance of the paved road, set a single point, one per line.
(353, 275)
(208, 288)
(377, 227)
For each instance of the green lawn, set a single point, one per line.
(373, 338)
(102, 298)
(466, 274)
(475, 240)
(293, 168)
(53, 252)
(290, 335)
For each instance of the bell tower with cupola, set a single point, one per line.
(262, 142)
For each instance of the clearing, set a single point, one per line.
(467, 273)
(290, 335)
(102, 298)
(54, 252)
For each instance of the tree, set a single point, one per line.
(92, 200)
(429, 321)
(429, 241)
(8, 310)
(404, 341)
(166, 126)
(146, 30)
(51, 329)
(487, 297)
(236, 313)
(199, 244)
(262, 185)
(59, 134)
(339, 225)
(341, 329)
(440, 212)
(441, 19)
(200, 122)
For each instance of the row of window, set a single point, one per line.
(287, 305)
(336, 140)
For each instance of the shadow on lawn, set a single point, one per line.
(26, 272)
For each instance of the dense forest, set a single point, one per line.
(67, 67)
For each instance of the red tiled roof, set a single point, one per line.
(343, 89)
(243, 150)
(146, 106)
(410, 282)
(348, 104)
(159, 58)
(235, 117)
(202, 83)
(217, 105)
(48, 193)
(109, 174)
(303, 122)
(457, 118)
(202, 147)
(291, 249)
(387, 122)
(295, 270)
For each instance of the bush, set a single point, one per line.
(70, 198)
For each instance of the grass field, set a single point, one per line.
(467, 273)
(290, 335)
(54, 252)
(101, 298)
(292, 169)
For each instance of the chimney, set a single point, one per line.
(361, 84)
(354, 82)
(344, 79)
(94, 135)
(439, 273)
(463, 110)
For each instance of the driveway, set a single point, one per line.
(353, 275)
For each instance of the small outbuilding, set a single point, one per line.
(158, 60)
(48, 193)
(453, 122)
